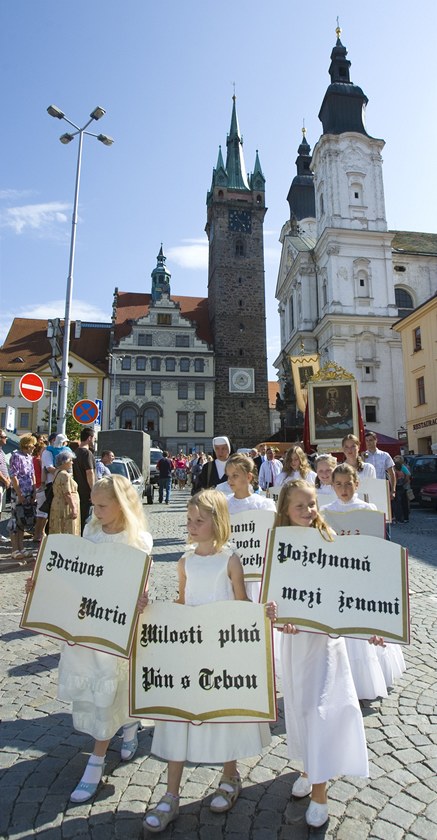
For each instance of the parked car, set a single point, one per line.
(129, 469)
(155, 456)
(423, 471)
(428, 496)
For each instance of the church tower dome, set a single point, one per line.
(301, 193)
(344, 103)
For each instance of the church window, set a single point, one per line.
(126, 362)
(404, 302)
(291, 313)
(184, 365)
(421, 390)
(145, 339)
(258, 199)
(182, 390)
(417, 339)
(140, 389)
(199, 365)
(322, 205)
(370, 413)
(400, 268)
(239, 248)
(324, 293)
(356, 195)
(124, 387)
(368, 373)
(164, 319)
(170, 364)
(362, 281)
(155, 363)
(182, 341)
(141, 362)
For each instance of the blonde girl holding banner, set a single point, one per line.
(94, 682)
(209, 571)
(323, 720)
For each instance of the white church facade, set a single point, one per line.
(344, 278)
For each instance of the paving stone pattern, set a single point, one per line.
(42, 758)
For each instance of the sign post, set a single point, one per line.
(31, 387)
(85, 412)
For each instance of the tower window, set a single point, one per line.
(241, 351)
(356, 195)
(239, 248)
(240, 280)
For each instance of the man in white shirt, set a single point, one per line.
(269, 470)
(382, 461)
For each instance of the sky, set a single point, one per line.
(164, 71)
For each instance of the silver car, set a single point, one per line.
(128, 468)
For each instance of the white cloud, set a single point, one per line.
(14, 195)
(193, 255)
(81, 310)
(34, 216)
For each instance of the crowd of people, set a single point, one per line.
(323, 678)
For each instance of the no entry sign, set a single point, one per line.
(85, 411)
(31, 387)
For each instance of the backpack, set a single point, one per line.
(25, 515)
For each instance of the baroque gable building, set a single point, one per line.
(344, 278)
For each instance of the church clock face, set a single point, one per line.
(240, 221)
(242, 380)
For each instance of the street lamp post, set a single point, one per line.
(95, 115)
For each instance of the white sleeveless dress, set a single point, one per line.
(97, 683)
(207, 580)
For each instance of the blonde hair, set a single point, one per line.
(304, 466)
(324, 459)
(245, 464)
(282, 517)
(25, 441)
(354, 439)
(214, 503)
(346, 469)
(132, 519)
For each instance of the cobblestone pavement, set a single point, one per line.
(42, 757)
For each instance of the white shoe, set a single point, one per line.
(317, 814)
(3, 539)
(302, 787)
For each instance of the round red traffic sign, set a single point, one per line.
(85, 411)
(31, 387)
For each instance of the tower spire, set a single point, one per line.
(344, 103)
(301, 193)
(160, 278)
(235, 166)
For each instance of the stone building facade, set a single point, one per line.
(162, 366)
(236, 294)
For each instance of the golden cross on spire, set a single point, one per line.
(338, 29)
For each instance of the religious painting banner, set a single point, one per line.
(249, 536)
(86, 592)
(333, 412)
(206, 663)
(370, 523)
(353, 586)
(303, 367)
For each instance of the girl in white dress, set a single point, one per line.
(372, 679)
(209, 571)
(96, 683)
(241, 473)
(323, 720)
(366, 670)
(325, 466)
(296, 466)
(351, 448)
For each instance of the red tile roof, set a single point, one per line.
(27, 339)
(134, 305)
